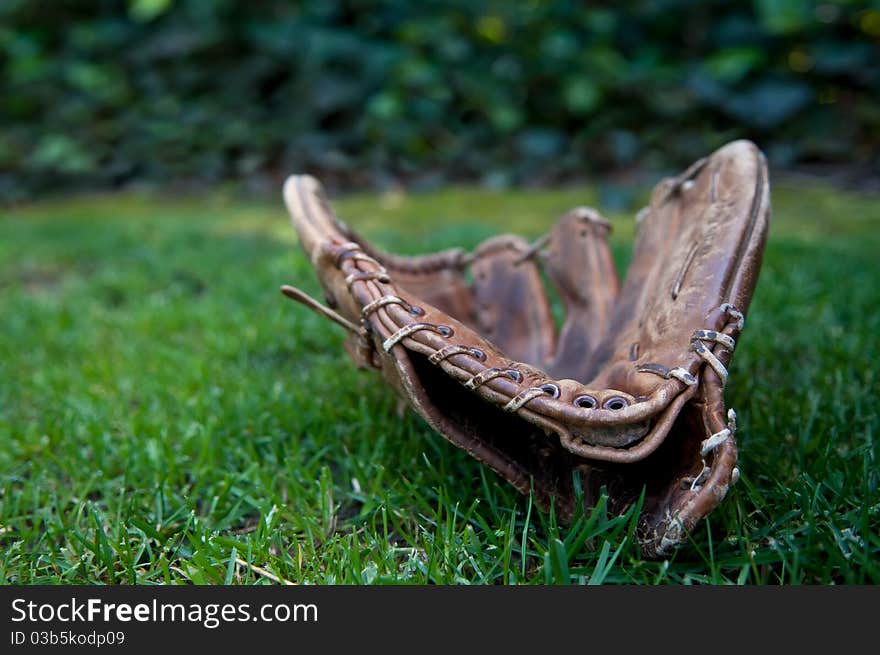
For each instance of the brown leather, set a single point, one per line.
(628, 395)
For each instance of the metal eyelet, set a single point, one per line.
(514, 375)
(550, 389)
(586, 402)
(416, 311)
(478, 354)
(615, 403)
(445, 331)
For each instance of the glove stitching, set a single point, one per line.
(709, 445)
(522, 398)
(484, 376)
(371, 307)
(412, 328)
(449, 351)
(363, 276)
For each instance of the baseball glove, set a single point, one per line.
(627, 395)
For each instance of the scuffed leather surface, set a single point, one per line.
(698, 247)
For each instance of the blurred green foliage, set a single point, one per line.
(103, 93)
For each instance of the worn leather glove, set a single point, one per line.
(628, 395)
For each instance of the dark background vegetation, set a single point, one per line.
(106, 93)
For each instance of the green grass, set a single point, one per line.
(167, 417)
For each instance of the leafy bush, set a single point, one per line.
(104, 93)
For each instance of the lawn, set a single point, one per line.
(166, 416)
